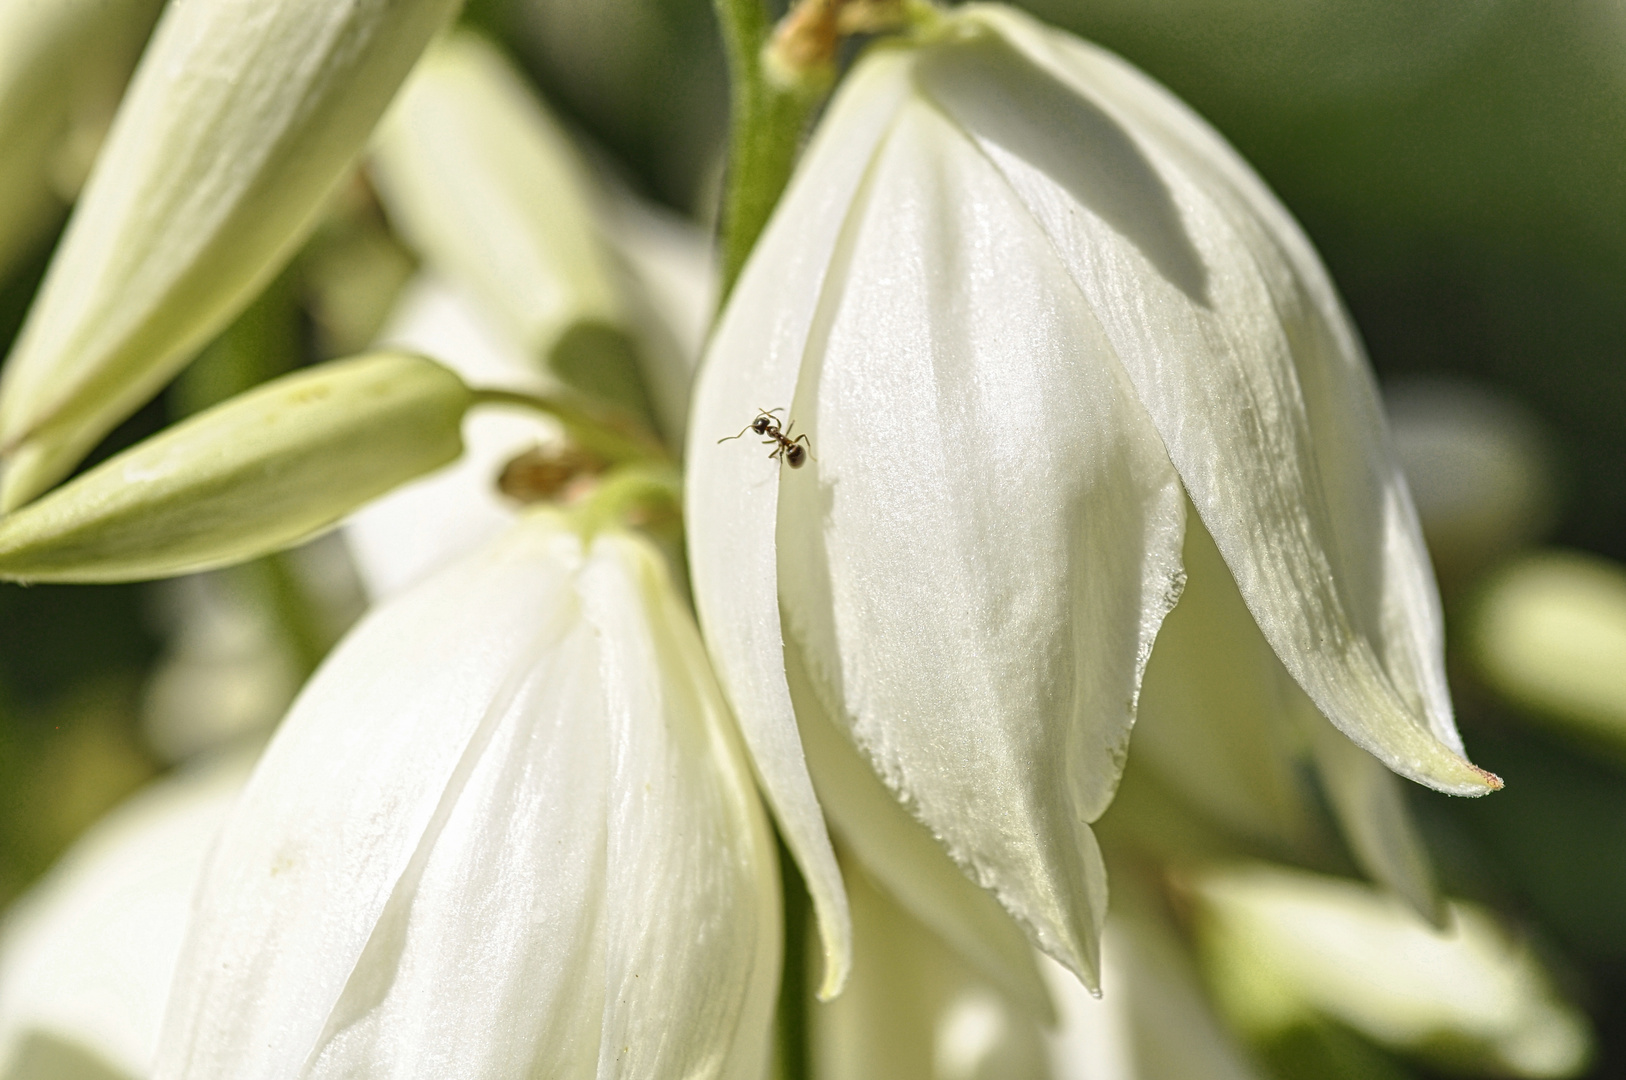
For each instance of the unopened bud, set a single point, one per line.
(487, 186)
(241, 118)
(259, 472)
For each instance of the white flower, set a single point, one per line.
(505, 830)
(88, 953)
(1024, 305)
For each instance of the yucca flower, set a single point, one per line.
(1027, 308)
(505, 828)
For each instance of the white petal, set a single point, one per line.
(690, 859)
(1213, 722)
(673, 263)
(1153, 1020)
(1235, 342)
(1370, 805)
(915, 1010)
(905, 859)
(357, 787)
(732, 493)
(981, 554)
(488, 187)
(89, 951)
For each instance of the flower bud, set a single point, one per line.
(240, 119)
(487, 186)
(1549, 631)
(1285, 947)
(259, 472)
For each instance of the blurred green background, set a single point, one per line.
(1461, 166)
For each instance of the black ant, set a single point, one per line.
(792, 452)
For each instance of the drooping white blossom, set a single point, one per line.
(504, 830)
(1024, 305)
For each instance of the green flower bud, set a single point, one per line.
(1549, 632)
(259, 472)
(488, 187)
(240, 120)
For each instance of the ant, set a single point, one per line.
(792, 452)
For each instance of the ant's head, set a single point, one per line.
(762, 423)
(795, 455)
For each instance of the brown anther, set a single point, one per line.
(547, 472)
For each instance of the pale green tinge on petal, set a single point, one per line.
(504, 830)
(1285, 946)
(62, 67)
(241, 118)
(977, 559)
(255, 474)
(1549, 632)
(731, 501)
(1236, 344)
(87, 954)
(484, 183)
(905, 859)
(915, 1009)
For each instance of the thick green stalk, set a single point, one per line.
(765, 131)
(608, 437)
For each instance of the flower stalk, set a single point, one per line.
(766, 120)
(600, 435)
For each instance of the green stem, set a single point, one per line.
(765, 132)
(295, 612)
(614, 442)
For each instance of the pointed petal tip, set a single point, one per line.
(835, 931)
(1452, 776)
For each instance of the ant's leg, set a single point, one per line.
(803, 440)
